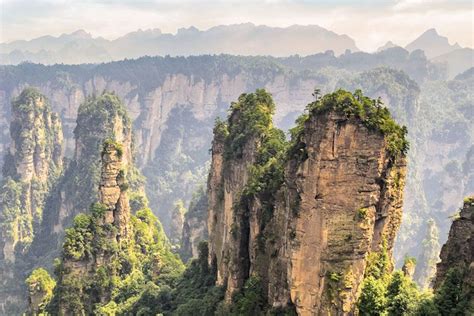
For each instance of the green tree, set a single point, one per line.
(402, 295)
(372, 300)
(449, 298)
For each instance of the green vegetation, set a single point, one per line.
(40, 287)
(133, 266)
(111, 143)
(395, 294)
(250, 116)
(250, 124)
(251, 300)
(355, 105)
(362, 213)
(27, 101)
(451, 298)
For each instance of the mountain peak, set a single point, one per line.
(432, 44)
(79, 34)
(387, 45)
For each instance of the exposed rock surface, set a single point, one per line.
(458, 251)
(99, 118)
(114, 212)
(350, 201)
(109, 249)
(32, 163)
(341, 199)
(195, 226)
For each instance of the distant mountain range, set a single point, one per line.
(437, 48)
(238, 39)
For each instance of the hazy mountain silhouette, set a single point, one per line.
(238, 39)
(432, 44)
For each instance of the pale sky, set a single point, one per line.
(369, 22)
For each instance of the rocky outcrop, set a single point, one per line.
(99, 118)
(305, 223)
(30, 169)
(458, 251)
(109, 247)
(349, 191)
(33, 162)
(177, 222)
(173, 102)
(109, 228)
(195, 226)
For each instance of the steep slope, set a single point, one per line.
(454, 281)
(106, 251)
(195, 225)
(98, 118)
(31, 167)
(304, 226)
(173, 102)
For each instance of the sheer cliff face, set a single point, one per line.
(195, 226)
(309, 238)
(112, 189)
(227, 222)
(31, 165)
(339, 204)
(111, 217)
(109, 247)
(458, 251)
(98, 119)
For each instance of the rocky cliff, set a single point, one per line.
(195, 225)
(108, 248)
(99, 118)
(106, 232)
(173, 102)
(31, 167)
(457, 254)
(305, 220)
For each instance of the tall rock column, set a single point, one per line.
(343, 200)
(30, 168)
(92, 246)
(32, 164)
(112, 189)
(227, 220)
(305, 219)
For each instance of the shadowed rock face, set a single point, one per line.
(458, 251)
(195, 226)
(340, 200)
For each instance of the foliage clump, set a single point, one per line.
(370, 112)
(40, 287)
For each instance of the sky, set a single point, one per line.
(371, 23)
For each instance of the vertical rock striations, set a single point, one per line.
(305, 220)
(30, 169)
(94, 241)
(456, 269)
(109, 250)
(99, 118)
(31, 165)
(195, 226)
